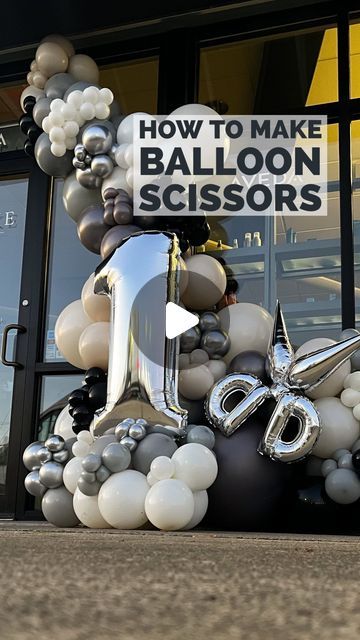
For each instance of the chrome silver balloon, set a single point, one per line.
(31, 456)
(137, 431)
(142, 373)
(86, 178)
(190, 340)
(51, 474)
(33, 484)
(291, 376)
(209, 320)
(80, 152)
(55, 443)
(129, 443)
(101, 165)
(97, 139)
(215, 342)
(121, 430)
(44, 455)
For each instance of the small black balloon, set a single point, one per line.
(198, 235)
(34, 132)
(356, 460)
(29, 148)
(82, 414)
(79, 427)
(29, 104)
(94, 375)
(249, 362)
(25, 123)
(97, 395)
(78, 397)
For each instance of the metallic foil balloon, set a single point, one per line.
(51, 475)
(55, 443)
(91, 228)
(87, 179)
(101, 166)
(97, 139)
(215, 342)
(141, 277)
(50, 164)
(291, 377)
(33, 484)
(209, 320)
(190, 340)
(76, 198)
(31, 456)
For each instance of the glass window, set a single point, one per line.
(134, 84)
(13, 197)
(70, 266)
(355, 152)
(355, 60)
(270, 75)
(54, 394)
(11, 137)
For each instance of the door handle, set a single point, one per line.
(10, 363)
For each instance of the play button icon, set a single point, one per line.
(178, 320)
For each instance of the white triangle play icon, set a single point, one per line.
(178, 320)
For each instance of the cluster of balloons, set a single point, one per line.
(82, 330)
(28, 126)
(89, 398)
(341, 473)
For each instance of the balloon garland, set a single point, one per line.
(137, 471)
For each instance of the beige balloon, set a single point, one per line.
(339, 428)
(249, 327)
(335, 382)
(31, 91)
(64, 43)
(94, 345)
(97, 307)
(194, 383)
(206, 283)
(51, 59)
(84, 68)
(69, 326)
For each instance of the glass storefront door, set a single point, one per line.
(13, 199)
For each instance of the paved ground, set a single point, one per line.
(84, 585)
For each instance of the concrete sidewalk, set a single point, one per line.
(83, 584)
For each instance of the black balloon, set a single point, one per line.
(198, 234)
(97, 395)
(25, 123)
(29, 148)
(250, 489)
(249, 362)
(94, 375)
(78, 397)
(356, 460)
(29, 104)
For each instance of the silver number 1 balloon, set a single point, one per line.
(291, 376)
(141, 277)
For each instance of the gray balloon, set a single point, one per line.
(91, 228)
(101, 166)
(41, 110)
(115, 236)
(343, 486)
(91, 462)
(51, 474)
(57, 507)
(69, 445)
(99, 444)
(48, 163)
(190, 340)
(249, 362)
(88, 488)
(58, 84)
(117, 119)
(209, 320)
(97, 139)
(123, 213)
(102, 474)
(328, 466)
(80, 85)
(116, 457)
(61, 456)
(201, 435)
(77, 198)
(33, 484)
(154, 445)
(31, 455)
(216, 343)
(55, 443)
(88, 476)
(87, 179)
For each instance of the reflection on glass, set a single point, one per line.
(13, 195)
(355, 158)
(54, 393)
(70, 266)
(355, 60)
(134, 84)
(270, 75)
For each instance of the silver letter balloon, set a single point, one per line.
(141, 276)
(291, 377)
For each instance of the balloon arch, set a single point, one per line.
(163, 431)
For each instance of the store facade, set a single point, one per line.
(260, 58)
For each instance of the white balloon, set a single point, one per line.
(195, 465)
(58, 149)
(120, 155)
(217, 368)
(206, 284)
(106, 96)
(249, 327)
(75, 99)
(102, 111)
(97, 307)
(68, 111)
(57, 134)
(91, 94)
(335, 382)
(117, 180)
(162, 468)
(339, 429)
(63, 424)
(84, 68)
(169, 505)
(51, 58)
(80, 448)
(72, 472)
(30, 77)
(94, 345)
(125, 130)
(130, 177)
(356, 412)
(350, 397)
(85, 436)
(122, 500)
(87, 510)
(87, 111)
(56, 119)
(151, 480)
(46, 124)
(201, 501)
(353, 381)
(69, 326)
(195, 382)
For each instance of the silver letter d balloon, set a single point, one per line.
(141, 276)
(291, 377)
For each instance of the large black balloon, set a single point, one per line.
(250, 490)
(91, 227)
(94, 375)
(97, 395)
(249, 362)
